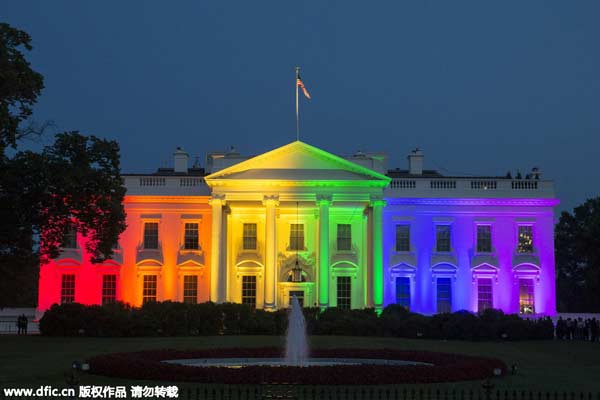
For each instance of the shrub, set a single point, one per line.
(417, 326)
(63, 320)
(204, 319)
(461, 325)
(177, 319)
(393, 318)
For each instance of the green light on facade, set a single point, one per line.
(378, 253)
(324, 251)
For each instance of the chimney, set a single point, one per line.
(180, 161)
(415, 162)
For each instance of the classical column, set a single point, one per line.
(323, 202)
(270, 203)
(368, 213)
(218, 269)
(377, 251)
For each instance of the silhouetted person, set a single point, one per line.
(587, 330)
(571, 325)
(580, 329)
(22, 325)
(25, 323)
(561, 329)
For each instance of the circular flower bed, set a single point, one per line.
(446, 367)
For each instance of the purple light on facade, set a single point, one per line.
(464, 264)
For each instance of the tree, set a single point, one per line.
(20, 86)
(75, 182)
(578, 258)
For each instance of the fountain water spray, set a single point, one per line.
(296, 349)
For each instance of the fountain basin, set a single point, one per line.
(280, 362)
(346, 366)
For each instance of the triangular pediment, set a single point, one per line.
(298, 161)
(403, 268)
(485, 269)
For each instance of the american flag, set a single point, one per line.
(300, 84)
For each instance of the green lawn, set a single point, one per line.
(544, 365)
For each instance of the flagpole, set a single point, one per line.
(297, 106)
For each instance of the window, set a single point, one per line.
(190, 289)
(444, 295)
(249, 237)
(442, 238)
(403, 292)
(526, 296)
(190, 237)
(484, 239)
(299, 295)
(151, 235)
(525, 239)
(70, 238)
(297, 237)
(344, 292)
(485, 294)
(344, 237)
(402, 237)
(149, 292)
(67, 289)
(109, 289)
(249, 290)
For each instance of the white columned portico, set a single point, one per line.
(324, 202)
(218, 268)
(261, 192)
(270, 202)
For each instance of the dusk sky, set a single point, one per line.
(481, 87)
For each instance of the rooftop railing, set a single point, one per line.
(470, 187)
(398, 187)
(166, 185)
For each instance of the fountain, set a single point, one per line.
(296, 352)
(327, 366)
(296, 346)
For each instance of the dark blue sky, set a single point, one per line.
(481, 87)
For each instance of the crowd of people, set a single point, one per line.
(578, 329)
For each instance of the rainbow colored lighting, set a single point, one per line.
(301, 185)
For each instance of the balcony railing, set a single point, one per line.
(524, 185)
(152, 181)
(401, 187)
(403, 184)
(484, 185)
(166, 185)
(470, 188)
(191, 182)
(442, 184)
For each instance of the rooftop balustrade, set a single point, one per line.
(470, 188)
(139, 185)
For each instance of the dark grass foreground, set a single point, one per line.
(447, 367)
